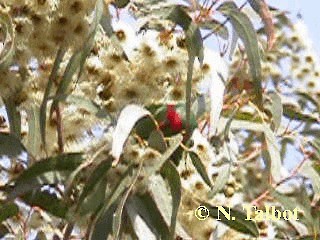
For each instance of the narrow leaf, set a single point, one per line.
(196, 161)
(10, 145)
(276, 109)
(221, 180)
(95, 177)
(34, 135)
(261, 7)
(6, 55)
(8, 210)
(14, 117)
(43, 106)
(47, 201)
(170, 173)
(128, 118)
(239, 223)
(117, 216)
(247, 34)
(308, 171)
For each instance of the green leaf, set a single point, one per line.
(116, 192)
(103, 226)
(97, 175)
(94, 200)
(170, 173)
(13, 116)
(47, 201)
(147, 208)
(120, 3)
(10, 145)
(196, 161)
(3, 230)
(117, 216)
(221, 180)
(6, 55)
(46, 171)
(247, 34)
(156, 141)
(308, 171)
(128, 119)
(273, 157)
(276, 109)
(272, 153)
(34, 135)
(8, 210)
(43, 107)
(239, 224)
(194, 46)
(309, 238)
(293, 113)
(291, 203)
(78, 59)
(261, 8)
(160, 161)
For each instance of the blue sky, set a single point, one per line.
(309, 9)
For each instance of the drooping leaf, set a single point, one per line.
(276, 109)
(291, 203)
(43, 107)
(239, 223)
(10, 145)
(156, 141)
(272, 153)
(170, 173)
(160, 161)
(221, 180)
(128, 118)
(194, 46)
(6, 55)
(247, 34)
(8, 210)
(273, 156)
(308, 171)
(48, 171)
(47, 201)
(120, 3)
(103, 226)
(293, 113)
(117, 216)
(93, 200)
(13, 116)
(77, 60)
(145, 207)
(96, 176)
(261, 7)
(201, 169)
(34, 135)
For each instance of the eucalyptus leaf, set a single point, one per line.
(48, 202)
(8, 210)
(10, 145)
(128, 118)
(239, 223)
(201, 169)
(6, 56)
(247, 34)
(14, 117)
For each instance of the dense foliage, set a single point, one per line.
(119, 119)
